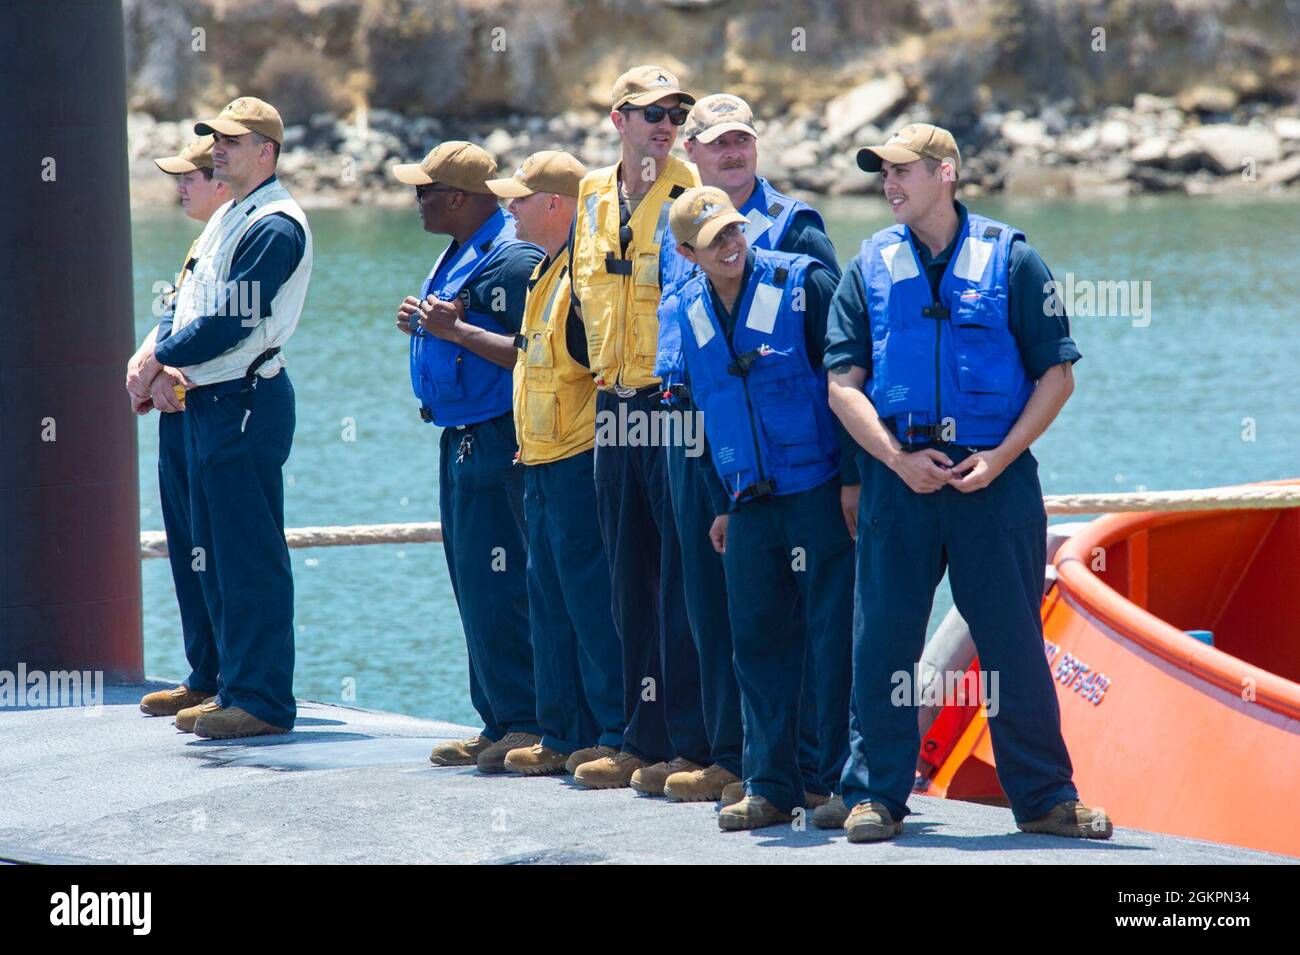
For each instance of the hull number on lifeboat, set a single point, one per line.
(1073, 673)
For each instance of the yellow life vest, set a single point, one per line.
(555, 398)
(619, 288)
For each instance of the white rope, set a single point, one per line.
(154, 543)
(1197, 499)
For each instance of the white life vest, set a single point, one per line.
(206, 287)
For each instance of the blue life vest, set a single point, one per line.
(454, 385)
(947, 370)
(770, 215)
(765, 412)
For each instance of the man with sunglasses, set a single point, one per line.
(622, 217)
(753, 326)
(723, 143)
(463, 328)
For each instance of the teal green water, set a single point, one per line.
(1160, 406)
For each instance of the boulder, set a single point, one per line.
(1280, 173)
(1114, 135)
(1150, 152)
(1207, 98)
(1287, 128)
(863, 104)
(1227, 147)
(1019, 131)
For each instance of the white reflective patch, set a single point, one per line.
(900, 262)
(700, 323)
(591, 213)
(758, 224)
(762, 310)
(662, 224)
(972, 259)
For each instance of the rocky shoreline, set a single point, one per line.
(1208, 140)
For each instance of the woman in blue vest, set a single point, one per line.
(752, 327)
(721, 140)
(947, 359)
(463, 329)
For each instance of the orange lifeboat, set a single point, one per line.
(1174, 640)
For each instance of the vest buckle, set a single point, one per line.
(761, 489)
(936, 311)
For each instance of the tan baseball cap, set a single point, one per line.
(247, 114)
(197, 154)
(455, 163)
(698, 215)
(914, 141)
(717, 114)
(643, 85)
(547, 171)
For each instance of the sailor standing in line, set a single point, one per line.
(622, 218)
(948, 357)
(233, 316)
(721, 140)
(462, 330)
(576, 656)
(752, 330)
(200, 195)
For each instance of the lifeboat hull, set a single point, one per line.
(1168, 732)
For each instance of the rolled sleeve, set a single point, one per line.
(1037, 315)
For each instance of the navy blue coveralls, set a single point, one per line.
(577, 659)
(705, 583)
(174, 492)
(481, 506)
(992, 543)
(790, 628)
(238, 436)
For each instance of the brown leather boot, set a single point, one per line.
(608, 772)
(649, 780)
(233, 723)
(535, 761)
(186, 718)
(1073, 820)
(871, 822)
(459, 752)
(170, 702)
(700, 785)
(732, 793)
(831, 814)
(587, 755)
(752, 812)
(493, 759)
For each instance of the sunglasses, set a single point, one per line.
(654, 113)
(422, 191)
